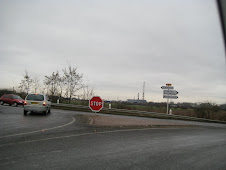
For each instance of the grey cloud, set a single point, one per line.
(118, 44)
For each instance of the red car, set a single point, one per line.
(11, 99)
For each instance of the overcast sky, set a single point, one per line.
(117, 45)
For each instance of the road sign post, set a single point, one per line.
(169, 93)
(167, 111)
(96, 104)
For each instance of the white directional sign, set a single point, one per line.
(170, 92)
(167, 87)
(170, 97)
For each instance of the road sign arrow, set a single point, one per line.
(167, 87)
(170, 92)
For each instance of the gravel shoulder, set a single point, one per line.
(118, 121)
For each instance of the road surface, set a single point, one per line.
(66, 140)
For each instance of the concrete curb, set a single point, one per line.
(134, 113)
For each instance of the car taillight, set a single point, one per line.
(25, 103)
(44, 104)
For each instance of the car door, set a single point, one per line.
(48, 102)
(10, 100)
(5, 99)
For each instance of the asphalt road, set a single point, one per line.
(64, 140)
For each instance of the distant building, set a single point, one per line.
(136, 101)
(173, 106)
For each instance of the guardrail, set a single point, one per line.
(133, 113)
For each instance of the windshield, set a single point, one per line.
(112, 84)
(37, 97)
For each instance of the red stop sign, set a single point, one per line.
(96, 104)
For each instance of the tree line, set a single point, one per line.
(68, 85)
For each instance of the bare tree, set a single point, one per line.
(72, 81)
(26, 83)
(36, 84)
(87, 92)
(207, 110)
(60, 84)
(52, 82)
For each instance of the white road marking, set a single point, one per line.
(39, 130)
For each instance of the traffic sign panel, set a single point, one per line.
(96, 104)
(167, 87)
(170, 92)
(170, 97)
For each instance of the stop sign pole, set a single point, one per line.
(96, 104)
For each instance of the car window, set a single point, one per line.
(6, 96)
(17, 97)
(11, 97)
(35, 97)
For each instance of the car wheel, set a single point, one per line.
(15, 104)
(45, 112)
(2, 102)
(25, 113)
